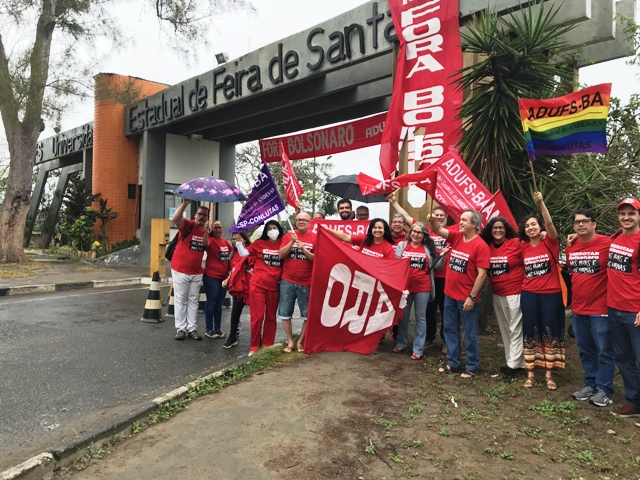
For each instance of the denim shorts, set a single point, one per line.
(288, 294)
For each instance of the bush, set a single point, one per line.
(81, 234)
(124, 244)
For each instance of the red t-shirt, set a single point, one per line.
(397, 240)
(440, 244)
(464, 260)
(419, 279)
(540, 266)
(187, 257)
(378, 250)
(217, 263)
(505, 268)
(267, 268)
(588, 265)
(297, 267)
(624, 276)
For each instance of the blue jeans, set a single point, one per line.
(213, 307)
(289, 292)
(625, 337)
(453, 316)
(421, 300)
(593, 338)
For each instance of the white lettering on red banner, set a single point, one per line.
(361, 133)
(423, 93)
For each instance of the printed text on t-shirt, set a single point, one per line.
(537, 266)
(458, 261)
(271, 258)
(298, 254)
(417, 260)
(498, 266)
(585, 262)
(620, 258)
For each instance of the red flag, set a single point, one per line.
(497, 207)
(354, 298)
(424, 91)
(291, 186)
(426, 180)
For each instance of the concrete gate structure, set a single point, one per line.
(336, 71)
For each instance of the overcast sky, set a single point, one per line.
(240, 32)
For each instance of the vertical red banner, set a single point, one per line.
(424, 92)
(291, 185)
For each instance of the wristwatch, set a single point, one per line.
(473, 297)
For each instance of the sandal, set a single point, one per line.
(415, 357)
(398, 350)
(288, 349)
(468, 374)
(448, 369)
(551, 384)
(528, 383)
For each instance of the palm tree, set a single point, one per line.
(516, 60)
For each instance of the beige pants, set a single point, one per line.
(509, 318)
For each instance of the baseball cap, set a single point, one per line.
(635, 203)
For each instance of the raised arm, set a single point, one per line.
(178, 216)
(339, 235)
(436, 227)
(408, 219)
(243, 252)
(546, 216)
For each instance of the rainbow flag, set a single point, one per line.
(574, 123)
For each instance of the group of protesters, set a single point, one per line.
(448, 267)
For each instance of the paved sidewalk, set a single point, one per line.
(56, 276)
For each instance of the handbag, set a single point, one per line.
(171, 247)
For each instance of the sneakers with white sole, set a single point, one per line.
(601, 399)
(585, 394)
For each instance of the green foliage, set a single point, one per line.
(550, 410)
(81, 234)
(124, 244)
(312, 174)
(75, 202)
(370, 450)
(507, 455)
(104, 215)
(514, 62)
(396, 458)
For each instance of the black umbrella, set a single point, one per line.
(346, 186)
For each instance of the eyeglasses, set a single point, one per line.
(202, 214)
(586, 221)
(417, 232)
(302, 220)
(498, 228)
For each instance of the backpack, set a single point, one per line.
(171, 247)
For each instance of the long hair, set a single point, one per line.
(486, 234)
(245, 237)
(387, 232)
(426, 239)
(264, 235)
(522, 235)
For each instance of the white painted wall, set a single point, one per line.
(188, 159)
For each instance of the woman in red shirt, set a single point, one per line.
(265, 284)
(421, 253)
(238, 282)
(377, 243)
(541, 298)
(216, 269)
(506, 274)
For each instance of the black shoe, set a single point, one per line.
(231, 342)
(194, 334)
(180, 334)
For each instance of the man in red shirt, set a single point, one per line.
(186, 270)
(587, 258)
(397, 229)
(466, 272)
(623, 301)
(297, 253)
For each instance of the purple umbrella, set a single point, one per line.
(209, 189)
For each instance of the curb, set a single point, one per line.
(60, 287)
(45, 463)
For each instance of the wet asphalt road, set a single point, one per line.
(71, 362)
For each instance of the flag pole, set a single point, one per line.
(533, 176)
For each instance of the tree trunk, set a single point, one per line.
(15, 207)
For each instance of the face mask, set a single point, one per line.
(273, 234)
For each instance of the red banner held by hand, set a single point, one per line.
(291, 185)
(426, 180)
(354, 298)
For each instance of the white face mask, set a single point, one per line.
(273, 234)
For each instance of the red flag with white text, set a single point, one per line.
(354, 298)
(292, 188)
(426, 180)
(458, 190)
(424, 92)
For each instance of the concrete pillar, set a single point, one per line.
(227, 172)
(36, 197)
(87, 169)
(153, 148)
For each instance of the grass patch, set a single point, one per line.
(22, 270)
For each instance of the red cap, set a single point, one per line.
(630, 201)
